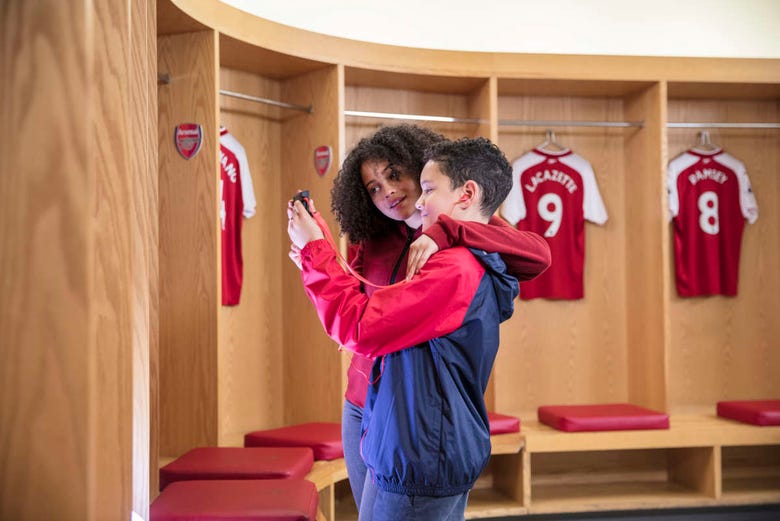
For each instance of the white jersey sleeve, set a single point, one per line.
(247, 188)
(592, 205)
(747, 199)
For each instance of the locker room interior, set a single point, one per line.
(117, 356)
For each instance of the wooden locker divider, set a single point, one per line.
(189, 246)
(312, 362)
(647, 247)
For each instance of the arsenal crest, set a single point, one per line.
(188, 138)
(322, 158)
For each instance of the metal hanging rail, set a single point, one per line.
(722, 125)
(412, 117)
(539, 123)
(165, 78)
(267, 101)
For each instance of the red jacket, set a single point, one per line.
(526, 255)
(435, 338)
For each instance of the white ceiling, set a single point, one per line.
(720, 28)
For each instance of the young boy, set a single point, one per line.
(425, 430)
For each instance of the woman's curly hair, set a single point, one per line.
(403, 146)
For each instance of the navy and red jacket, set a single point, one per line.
(434, 338)
(382, 260)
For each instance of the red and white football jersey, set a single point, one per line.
(552, 194)
(236, 198)
(709, 200)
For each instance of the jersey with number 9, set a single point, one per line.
(553, 193)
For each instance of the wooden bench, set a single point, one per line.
(701, 460)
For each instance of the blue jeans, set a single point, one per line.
(351, 417)
(378, 505)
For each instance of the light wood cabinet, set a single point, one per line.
(266, 363)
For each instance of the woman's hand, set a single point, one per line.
(419, 253)
(301, 227)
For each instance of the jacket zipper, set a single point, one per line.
(409, 238)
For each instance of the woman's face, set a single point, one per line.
(392, 189)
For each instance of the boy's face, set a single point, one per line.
(392, 190)
(437, 196)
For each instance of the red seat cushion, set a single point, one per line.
(602, 417)
(323, 438)
(757, 412)
(238, 463)
(237, 500)
(503, 424)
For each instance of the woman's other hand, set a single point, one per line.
(419, 253)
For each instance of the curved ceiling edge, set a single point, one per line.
(353, 53)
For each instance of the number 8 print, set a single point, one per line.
(708, 218)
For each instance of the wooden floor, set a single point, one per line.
(345, 511)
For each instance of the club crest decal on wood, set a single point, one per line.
(322, 159)
(188, 138)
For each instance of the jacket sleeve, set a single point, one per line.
(394, 317)
(526, 254)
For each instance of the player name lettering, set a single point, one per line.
(707, 173)
(551, 175)
(230, 168)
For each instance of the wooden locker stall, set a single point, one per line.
(585, 354)
(267, 363)
(725, 348)
(589, 350)
(259, 376)
(225, 371)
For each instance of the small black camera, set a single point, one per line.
(303, 198)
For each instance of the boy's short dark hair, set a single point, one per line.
(477, 159)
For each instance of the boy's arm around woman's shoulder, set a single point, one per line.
(395, 317)
(526, 254)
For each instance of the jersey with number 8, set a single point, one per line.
(553, 193)
(709, 199)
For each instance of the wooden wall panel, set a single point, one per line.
(45, 238)
(189, 246)
(68, 309)
(646, 249)
(555, 351)
(250, 337)
(373, 99)
(727, 347)
(110, 483)
(312, 364)
(143, 157)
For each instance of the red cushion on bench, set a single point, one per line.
(238, 463)
(757, 412)
(602, 417)
(237, 500)
(323, 438)
(502, 423)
